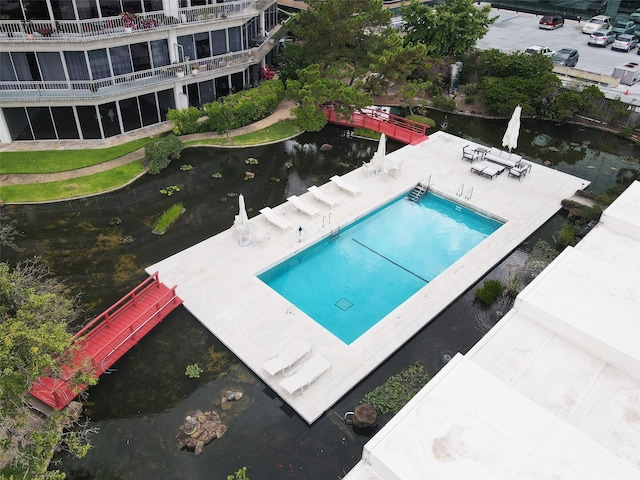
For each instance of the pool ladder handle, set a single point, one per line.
(335, 233)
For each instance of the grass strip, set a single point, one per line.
(74, 187)
(168, 218)
(276, 132)
(53, 161)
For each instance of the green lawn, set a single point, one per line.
(75, 187)
(274, 133)
(52, 161)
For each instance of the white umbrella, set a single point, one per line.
(243, 219)
(510, 139)
(382, 147)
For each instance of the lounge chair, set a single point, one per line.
(484, 169)
(303, 206)
(276, 219)
(322, 196)
(343, 184)
(287, 358)
(304, 375)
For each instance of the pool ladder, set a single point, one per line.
(419, 190)
(335, 232)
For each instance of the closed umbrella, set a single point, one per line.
(510, 139)
(382, 147)
(243, 219)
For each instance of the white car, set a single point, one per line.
(599, 22)
(546, 51)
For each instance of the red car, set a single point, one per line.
(551, 22)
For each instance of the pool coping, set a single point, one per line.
(217, 280)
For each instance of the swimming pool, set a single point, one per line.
(349, 283)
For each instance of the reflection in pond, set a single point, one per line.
(101, 245)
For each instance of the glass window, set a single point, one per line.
(193, 95)
(63, 10)
(88, 120)
(42, 123)
(203, 49)
(140, 57)
(152, 5)
(222, 86)
(23, 62)
(148, 109)
(132, 6)
(207, 93)
(76, 65)
(109, 117)
(86, 8)
(36, 10)
(18, 123)
(99, 63)
(6, 68)
(219, 42)
(65, 122)
(111, 8)
(121, 60)
(187, 44)
(235, 44)
(160, 53)
(237, 81)
(165, 102)
(51, 66)
(130, 114)
(12, 9)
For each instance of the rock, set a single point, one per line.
(231, 396)
(365, 416)
(198, 429)
(326, 146)
(221, 429)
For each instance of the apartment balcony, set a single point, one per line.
(123, 85)
(95, 29)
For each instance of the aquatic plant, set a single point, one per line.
(239, 475)
(193, 371)
(216, 175)
(186, 168)
(392, 395)
(168, 218)
(170, 190)
(489, 291)
(251, 161)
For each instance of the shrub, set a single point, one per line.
(444, 103)
(429, 122)
(160, 153)
(366, 133)
(567, 235)
(185, 121)
(168, 218)
(391, 396)
(490, 291)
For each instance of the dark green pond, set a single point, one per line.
(101, 245)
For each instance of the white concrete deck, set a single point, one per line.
(552, 391)
(217, 278)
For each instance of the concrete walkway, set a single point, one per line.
(283, 112)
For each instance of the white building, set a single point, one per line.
(84, 70)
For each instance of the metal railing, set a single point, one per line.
(94, 29)
(130, 82)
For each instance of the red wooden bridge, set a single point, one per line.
(393, 126)
(107, 338)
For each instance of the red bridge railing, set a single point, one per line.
(393, 126)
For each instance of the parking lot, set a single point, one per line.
(517, 31)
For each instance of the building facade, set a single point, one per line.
(95, 69)
(572, 9)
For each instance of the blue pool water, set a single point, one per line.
(350, 283)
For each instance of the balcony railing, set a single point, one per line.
(131, 82)
(87, 30)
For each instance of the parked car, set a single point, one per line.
(635, 16)
(567, 57)
(597, 6)
(624, 26)
(551, 22)
(626, 42)
(601, 37)
(599, 22)
(533, 49)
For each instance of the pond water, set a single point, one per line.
(101, 245)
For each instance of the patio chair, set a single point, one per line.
(393, 168)
(323, 196)
(303, 207)
(304, 375)
(287, 358)
(371, 167)
(343, 184)
(468, 153)
(276, 219)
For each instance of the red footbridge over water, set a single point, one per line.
(107, 338)
(393, 126)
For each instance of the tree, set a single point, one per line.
(449, 29)
(8, 233)
(342, 38)
(312, 90)
(159, 153)
(35, 340)
(394, 65)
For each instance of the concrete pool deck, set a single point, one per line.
(217, 277)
